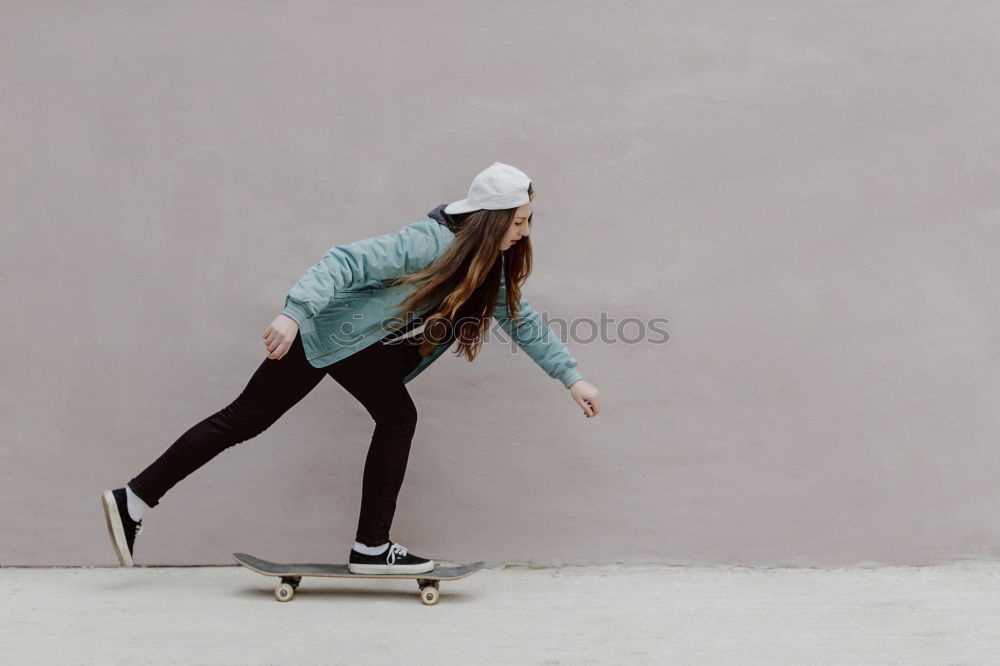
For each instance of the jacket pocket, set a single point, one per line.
(357, 292)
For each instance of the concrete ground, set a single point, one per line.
(613, 614)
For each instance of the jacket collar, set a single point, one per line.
(444, 218)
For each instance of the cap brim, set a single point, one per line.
(460, 206)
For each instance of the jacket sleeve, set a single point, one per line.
(383, 257)
(537, 339)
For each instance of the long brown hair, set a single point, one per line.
(468, 274)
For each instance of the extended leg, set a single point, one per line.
(273, 389)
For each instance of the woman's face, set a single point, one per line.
(518, 228)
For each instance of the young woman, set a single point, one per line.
(354, 316)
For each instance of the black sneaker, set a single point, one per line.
(121, 527)
(394, 560)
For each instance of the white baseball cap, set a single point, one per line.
(498, 186)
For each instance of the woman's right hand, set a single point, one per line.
(280, 335)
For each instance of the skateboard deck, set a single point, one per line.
(291, 575)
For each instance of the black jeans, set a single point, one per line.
(373, 375)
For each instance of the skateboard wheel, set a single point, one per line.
(430, 595)
(284, 592)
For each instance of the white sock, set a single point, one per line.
(136, 507)
(370, 550)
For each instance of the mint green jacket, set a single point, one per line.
(341, 303)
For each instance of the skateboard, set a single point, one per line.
(291, 575)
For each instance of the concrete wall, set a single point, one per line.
(807, 191)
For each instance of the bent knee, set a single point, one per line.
(401, 419)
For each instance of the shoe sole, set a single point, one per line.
(115, 529)
(390, 568)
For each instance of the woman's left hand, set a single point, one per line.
(585, 395)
